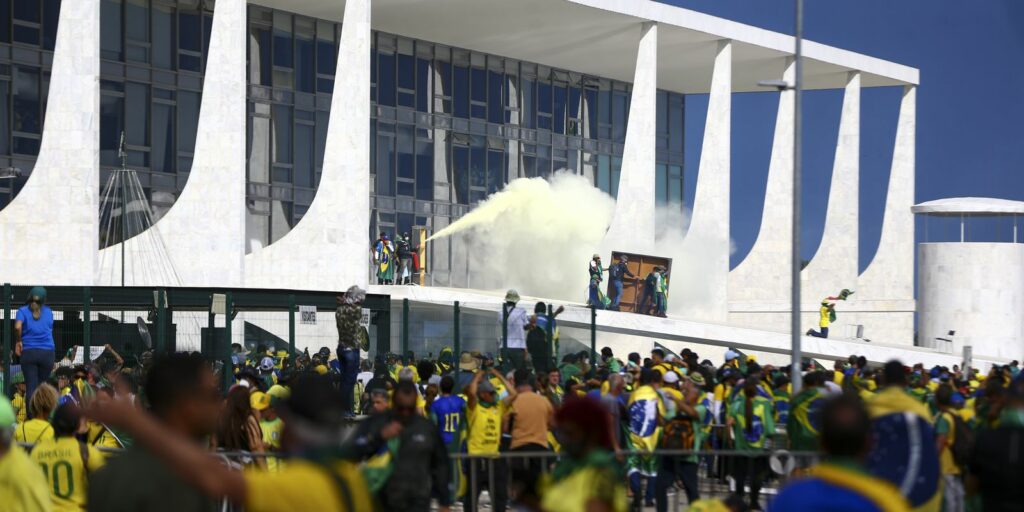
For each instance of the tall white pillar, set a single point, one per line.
(890, 276)
(203, 233)
(834, 266)
(632, 226)
(49, 233)
(760, 277)
(700, 280)
(329, 248)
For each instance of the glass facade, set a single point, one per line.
(449, 126)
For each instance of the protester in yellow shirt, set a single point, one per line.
(270, 425)
(19, 402)
(42, 404)
(484, 413)
(319, 478)
(66, 461)
(22, 486)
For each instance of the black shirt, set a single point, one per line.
(998, 463)
(136, 480)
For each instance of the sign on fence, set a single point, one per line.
(364, 321)
(307, 315)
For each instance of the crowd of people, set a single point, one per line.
(587, 432)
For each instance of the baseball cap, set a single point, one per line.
(730, 355)
(670, 377)
(485, 386)
(259, 400)
(278, 392)
(267, 364)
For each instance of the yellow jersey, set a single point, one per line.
(824, 320)
(574, 492)
(33, 431)
(66, 471)
(484, 428)
(22, 486)
(20, 409)
(101, 437)
(304, 485)
(272, 440)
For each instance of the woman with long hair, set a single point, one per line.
(750, 418)
(37, 428)
(33, 339)
(239, 428)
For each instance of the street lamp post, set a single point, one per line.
(796, 377)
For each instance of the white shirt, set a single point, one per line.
(364, 378)
(517, 320)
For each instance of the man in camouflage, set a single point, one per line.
(351, 338)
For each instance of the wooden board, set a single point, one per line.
(633, 289)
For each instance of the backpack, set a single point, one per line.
(678, 434)
(963, 441)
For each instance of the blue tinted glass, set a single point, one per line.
(478, 164)
(136, 21)
(27, 35)
(385, 165)
(422, 85)
(51, 16)
(558, 111)
(303, 171)
(26, 100)
(573, 103)
(190, 32)
(282, 48)
(529, 166)
(461, 96)
(616, 170)
(5, 127)
(543, 98)
(136, 110)
(326, 60)
(604, 173)
(26, 10)
(189, 62)
(406, 71)
(110, 29)
(495, 105)
(207, 33)
(479, 85)
(528, 102)
(675, 123)
(424, 170)
(261, 58)
(460, 173)
(163, 37)
(304, 71)
(111, 115)
(5, 27)
(282, 134)
(495, 171)
(321, 136)
(660, 184)
(163, 138)
(406, 152)
(188, 120)
(386, 79)
(619, 116)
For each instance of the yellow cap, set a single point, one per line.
(321, 369)
(279, 392)
(259, 400)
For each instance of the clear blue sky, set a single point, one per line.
(970, 107)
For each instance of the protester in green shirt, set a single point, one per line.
(752, 422)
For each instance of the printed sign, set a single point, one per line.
(364, 320)
(307, 315)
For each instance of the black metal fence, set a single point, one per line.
(133, 320)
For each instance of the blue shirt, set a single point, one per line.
(449, 412)
(36, 334)
(818, 495)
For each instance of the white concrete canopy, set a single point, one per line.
(50, 232)
(970, 206)
(598, 37)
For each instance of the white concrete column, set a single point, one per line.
(50, 232)
(834, 265)
(890, 275)
(203, 233)
(632, 226)
(761, 276)
(701, 273)
(329, 248)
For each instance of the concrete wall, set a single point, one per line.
(976, 289)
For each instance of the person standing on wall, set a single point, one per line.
(384, 256)
(351, 337)
(33, 339)
(595, 298)
(650, 292)
(616, 274)
(405, 250)
(515, 336)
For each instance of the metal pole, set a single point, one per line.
(210, 350)
(550, 335)
(227, 372)
(291, 328)
(124, 217)
(161, 322)
(456, 329)
(795, 375)
(405, 327)
(8, 346)
(593, 335)
(86, 325)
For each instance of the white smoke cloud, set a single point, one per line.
(538, 236)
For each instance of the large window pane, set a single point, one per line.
(675, 123)
(461, 95)
(386, 78)
(305, 72)
(110, 31)
(163, 37)
(26, 10)
(282, 40)
(660, 184)
(558, 111)
(27, 117)
(406, 80)
(282, 134)
(326, 59)
(478, 163)
(5, 22)
(188, 120)
(495, 171)
(495, 100)
(619, 100)
(162, 154)
(385, 164)
(136, 112)
(423, 74)
(260, 63)
(424, 170)
(5, 128)
(135, 20)
(529, 87)
(303, 155)
(460, 173)
(51, 17)
(322, 121)
(190, 30)
(111, 114)
(406, 152)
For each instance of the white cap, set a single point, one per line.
(670, 377)
(730, 355)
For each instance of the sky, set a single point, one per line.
(970, 108)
